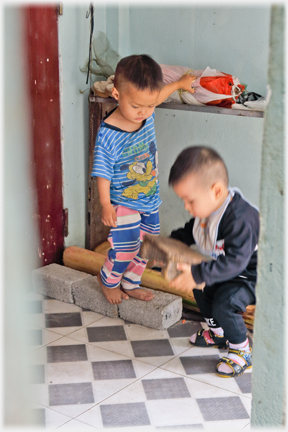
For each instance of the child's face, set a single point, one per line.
(135, 105)
(199, 199)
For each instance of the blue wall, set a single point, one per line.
(231, 39)
(228, 38)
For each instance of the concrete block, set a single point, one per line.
(159, 313)
(57, 281)
(87, 293)
(72, 286)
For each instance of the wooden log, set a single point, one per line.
(103, 248)
(83, 260)
(91, 262)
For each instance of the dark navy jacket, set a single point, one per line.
(239, 232)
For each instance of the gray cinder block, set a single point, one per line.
(56, 281)
(87, 293)
(159, 313)
(82, 289)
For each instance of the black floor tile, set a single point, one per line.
(108, 370)
(63, 320)
(106, 334)
(152, 348)
(124, 415)
(224, 408)
(70, 394)
(66, 353)
(245, 382)
(167, 388)
(200, 364)
(184, 329)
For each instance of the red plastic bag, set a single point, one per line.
(212, 87)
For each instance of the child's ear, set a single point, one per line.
(115, 93)
(217, 190)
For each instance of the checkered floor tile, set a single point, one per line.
(92, 372)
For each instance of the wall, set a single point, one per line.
(200, 36)
(269, 349)
(74, 36)
(238, 140)
(195, 36)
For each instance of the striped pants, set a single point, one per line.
(123, 261)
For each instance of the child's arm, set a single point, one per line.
(108, 214)
(184, 83)
(184, 234)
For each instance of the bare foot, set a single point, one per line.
(140, 294)
(113, 295)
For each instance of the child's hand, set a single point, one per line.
(108, 215)
(186, 81)
(184, 282)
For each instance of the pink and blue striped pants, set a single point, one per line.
(123, 261)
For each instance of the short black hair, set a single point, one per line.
(141, 71)
(201, 160)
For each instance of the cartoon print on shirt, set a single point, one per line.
(142, 177)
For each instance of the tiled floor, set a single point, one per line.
(91, 372)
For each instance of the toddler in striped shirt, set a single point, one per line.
(126, 166)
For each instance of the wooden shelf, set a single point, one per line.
(195, 108)
(213, 110)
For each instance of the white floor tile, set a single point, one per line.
(72, 411)
(65, 331)
(55, 420)
(225, 425)
(92, 417)
(138, 332)
(228, 384)
(107, 321)
(180, 345)
(200, 389)
(56, 306)
(162, 412)
(90, 318)
(174, 412)
(76, 426)
(69, 372)
(132, 393)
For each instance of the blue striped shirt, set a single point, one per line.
(129, 160)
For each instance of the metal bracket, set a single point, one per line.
(65, 222)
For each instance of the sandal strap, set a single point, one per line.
(236, 368)
(207, 338)
(211, 334)
(240, 353)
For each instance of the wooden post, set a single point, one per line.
(43, 66)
